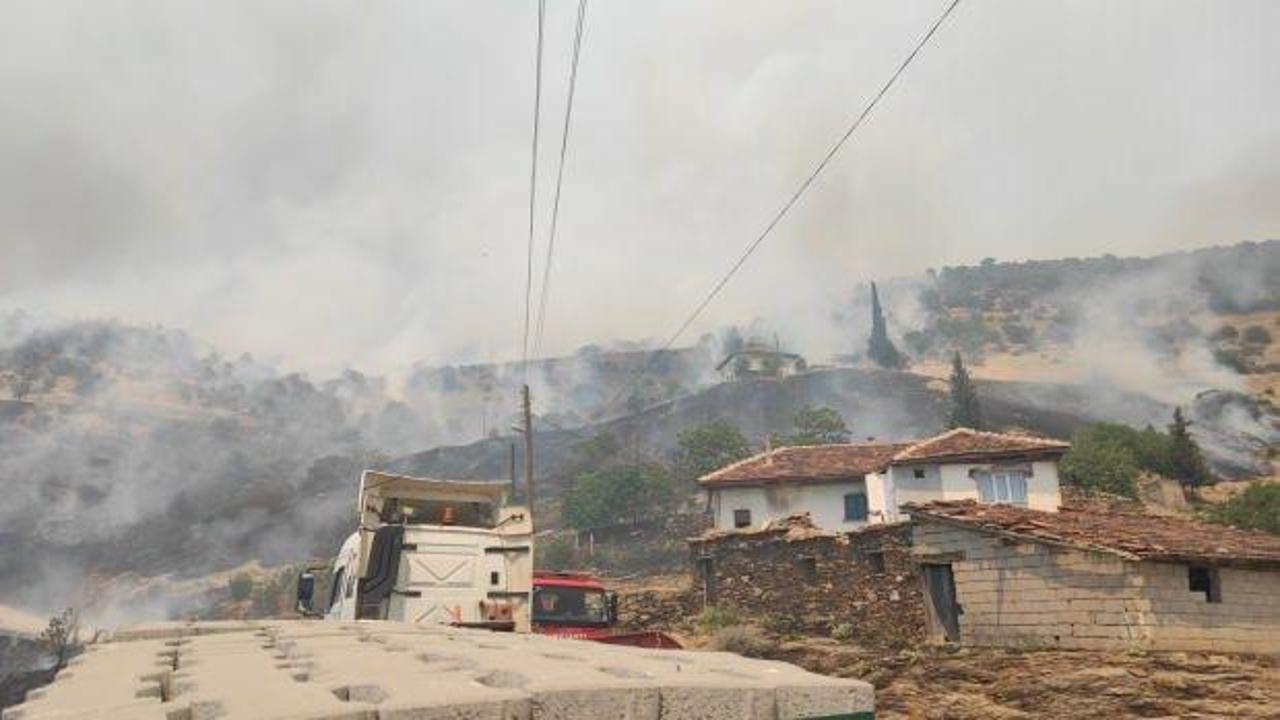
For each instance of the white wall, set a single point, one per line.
(885, 494)
(907, 488)
(1042, 486)
(824, 503)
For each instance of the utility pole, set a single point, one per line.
(511, 462)
(528, 450)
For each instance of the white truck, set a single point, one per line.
(431, 551)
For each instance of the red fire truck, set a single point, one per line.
(575, 605)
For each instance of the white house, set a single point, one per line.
(757, 360)
(847, 486)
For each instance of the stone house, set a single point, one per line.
(849, 486)
(804, 579)
(1092, 579)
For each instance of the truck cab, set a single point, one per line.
(431, 551)
(572, 605)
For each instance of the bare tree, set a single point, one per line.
(62, 637)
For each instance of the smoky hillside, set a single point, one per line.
(145, 451)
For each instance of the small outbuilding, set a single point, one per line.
(758, 360)
(1093, 579)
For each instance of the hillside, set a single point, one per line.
(142, 450)
(875, 404)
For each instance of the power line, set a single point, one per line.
(555, 205)
(786, 207)
(533, 186)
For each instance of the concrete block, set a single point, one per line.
(391, 670)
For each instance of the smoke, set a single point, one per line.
(346, 187)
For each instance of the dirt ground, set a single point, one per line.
(930, 682)
(943, 683)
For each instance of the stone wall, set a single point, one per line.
(865, 580)
(1023, 593)
(1247, 618)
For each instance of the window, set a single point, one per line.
(351, 585)
(1002, 486)
(741, 518)
(918, 473)
(1205, 580)
(855, 507)
(875, 561)
(808, 568)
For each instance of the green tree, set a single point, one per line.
(816, 426)
(240, 586)
(623, 493)
(1186, 464)
(879, 347)
(707, 448)
(965, 410)
(1257, 508)
(1100, 462)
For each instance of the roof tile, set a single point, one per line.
(806, 463)
(1131, 535)
(964, 442)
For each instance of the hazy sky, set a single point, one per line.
(346, 183)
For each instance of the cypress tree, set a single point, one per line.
(879, 347)
(965, 411)
(1185, 460)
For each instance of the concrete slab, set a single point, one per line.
(309, 669)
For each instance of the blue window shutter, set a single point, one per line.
(1018, 488)
(855, 506)
(986, 487)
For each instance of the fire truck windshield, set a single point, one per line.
(569, 606)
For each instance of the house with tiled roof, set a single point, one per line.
(849, 486)
(1095, 579)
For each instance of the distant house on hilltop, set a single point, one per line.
(758, 360)
(849, 486)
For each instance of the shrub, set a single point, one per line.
(1226, 333)
(1257, 508)
(843, 632)
(240, 586)
(1231, 359)
(743, 640)
(1257, 335)
(714, 617)
(1017, 333)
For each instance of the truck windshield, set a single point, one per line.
(569, 606)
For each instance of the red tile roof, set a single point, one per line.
(1129, 535)
(824, 463)
(963, 443)
(813, 463)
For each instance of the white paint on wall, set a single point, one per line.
(886, 493)
(1042, 484)
(824, 502)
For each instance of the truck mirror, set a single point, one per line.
(611, 602)
(306, 592)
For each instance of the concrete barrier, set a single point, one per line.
(375, 670)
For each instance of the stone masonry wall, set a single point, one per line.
(1246, 620)
(1029, 593)
(865, 579)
